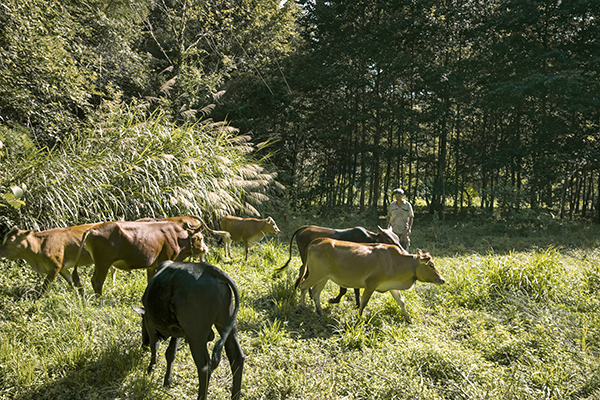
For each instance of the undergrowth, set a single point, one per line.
(511, 322)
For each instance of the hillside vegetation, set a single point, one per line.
(517, 319)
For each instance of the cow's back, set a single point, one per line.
(308, 234)
(62, 245)
(352, 264)
(240, 228)
(135, 244)
(176, 298)
(312, 232)
(190, 221)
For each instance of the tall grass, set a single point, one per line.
(514, 324)
(132, 165)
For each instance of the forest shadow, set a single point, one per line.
(453, 237)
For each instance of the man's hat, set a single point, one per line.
(398, 191)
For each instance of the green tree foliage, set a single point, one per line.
(463, 103)
(42, 84)
(452, 100)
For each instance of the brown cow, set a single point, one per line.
(375, 267)
(50, 252)
(248, 230)
(307, 233)
(131, 245)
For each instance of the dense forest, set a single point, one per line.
(471, 106)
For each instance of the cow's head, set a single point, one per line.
(389, 237)
(14, 242)
(425, 270)
(271, 226)
(197, 245)
(142, 313)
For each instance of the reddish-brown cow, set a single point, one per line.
(131, 245)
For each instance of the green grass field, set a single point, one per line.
(518, 318)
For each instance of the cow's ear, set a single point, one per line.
(140, 310)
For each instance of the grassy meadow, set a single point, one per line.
(518, 318)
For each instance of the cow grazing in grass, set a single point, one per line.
(50, 252)
(186, 300)
(131, 245)
(374, 267)
(224, 235)
(248, 230)
(307, 233)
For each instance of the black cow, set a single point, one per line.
(307, 233)
(186, 300)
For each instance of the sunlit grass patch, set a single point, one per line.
(515, 325)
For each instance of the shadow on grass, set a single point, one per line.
(102, 378)
(302, 322)
(455, 237)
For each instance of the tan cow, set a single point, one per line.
(307, 233)
(247, 230)
(374, 267)
(131, 245)
(50, 252)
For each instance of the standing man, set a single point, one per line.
(400, 218)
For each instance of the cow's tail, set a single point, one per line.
(203, 223)
(279, 270)
(216, 355)
(82, 245)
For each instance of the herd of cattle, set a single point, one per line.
(176, 297)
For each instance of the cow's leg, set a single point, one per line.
(47, 280)
(77, 281)
(365, 299)
(246, 247)
(73, 280)
(170, 356)
(227, 240)
(154, 344)
(335, 300)
(303, 296)
(236, 362)
(306, 285)
(316, 295)
(113, 274)
(99, 277)
(202, 361)
(400, 300)
(67, 276)
(357, 297)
